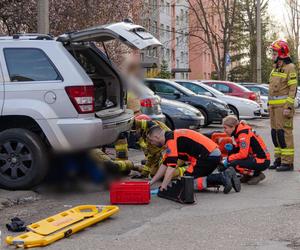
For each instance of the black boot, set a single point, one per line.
(236, 183)
(276, 163)
(220, 179)
(285, 167)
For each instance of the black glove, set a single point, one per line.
(16, 225)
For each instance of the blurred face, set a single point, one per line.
(157, 139)
(274, 55)
(228, 130)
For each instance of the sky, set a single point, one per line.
(277, 11)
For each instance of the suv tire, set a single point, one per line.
(23, 159)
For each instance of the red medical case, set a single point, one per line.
(130, 192)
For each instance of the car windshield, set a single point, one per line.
(242, 87)
(182, 89)
(212, 90)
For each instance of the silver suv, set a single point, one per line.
(60, 94)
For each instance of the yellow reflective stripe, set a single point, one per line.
(181, 171)
(293, 75)
(290, 100)
(277, 150)
(144, 125)
(287, 151)
(292, 82)
(277, 74)
(277, 102)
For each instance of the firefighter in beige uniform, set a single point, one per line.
(282, 92)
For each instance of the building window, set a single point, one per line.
(177, 63)
(162, 6)
(155, 52)
(162, 51)
(154, 4)
(168, 8)
(168, 54)
(162, 30)
(177, 20)
(181, 57)
(181, 15)
(142, 57)
(177, 41)
(155, 27)
(182, 75)
(168, 31)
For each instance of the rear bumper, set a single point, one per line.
(84, 133)
(188, 122)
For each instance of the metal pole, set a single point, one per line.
(258, 42)
(43, 17)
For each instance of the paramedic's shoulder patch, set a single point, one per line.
(243, 144)
(168, 151)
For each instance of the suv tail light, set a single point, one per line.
(83, 98)
(148, 103)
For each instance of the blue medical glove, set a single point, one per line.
(225, 162)
(228, 147)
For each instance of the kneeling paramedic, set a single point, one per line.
(202, 153)
(250, 151)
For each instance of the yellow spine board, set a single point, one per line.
(62, 225)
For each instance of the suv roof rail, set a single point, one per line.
(33, 36)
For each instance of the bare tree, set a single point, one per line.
(247, 15)
(19, 16)
(293, 26)
(213, 23)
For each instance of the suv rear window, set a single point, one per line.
(29, 64)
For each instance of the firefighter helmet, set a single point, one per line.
(282, 48)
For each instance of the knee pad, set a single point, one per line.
(281, 139)
(274, 137)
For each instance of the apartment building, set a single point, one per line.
(171, 21)
(200, 57)
(168, 20)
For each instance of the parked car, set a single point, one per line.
(242, 108)
(213, 110)
(150, 103)
(181, 115)
(60, 94)
(263, 91)
(232, 89)
(255, 87)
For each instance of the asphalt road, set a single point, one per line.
(266, 216)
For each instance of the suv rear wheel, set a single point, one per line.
(22, 159)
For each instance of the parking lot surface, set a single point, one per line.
(266, 216)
